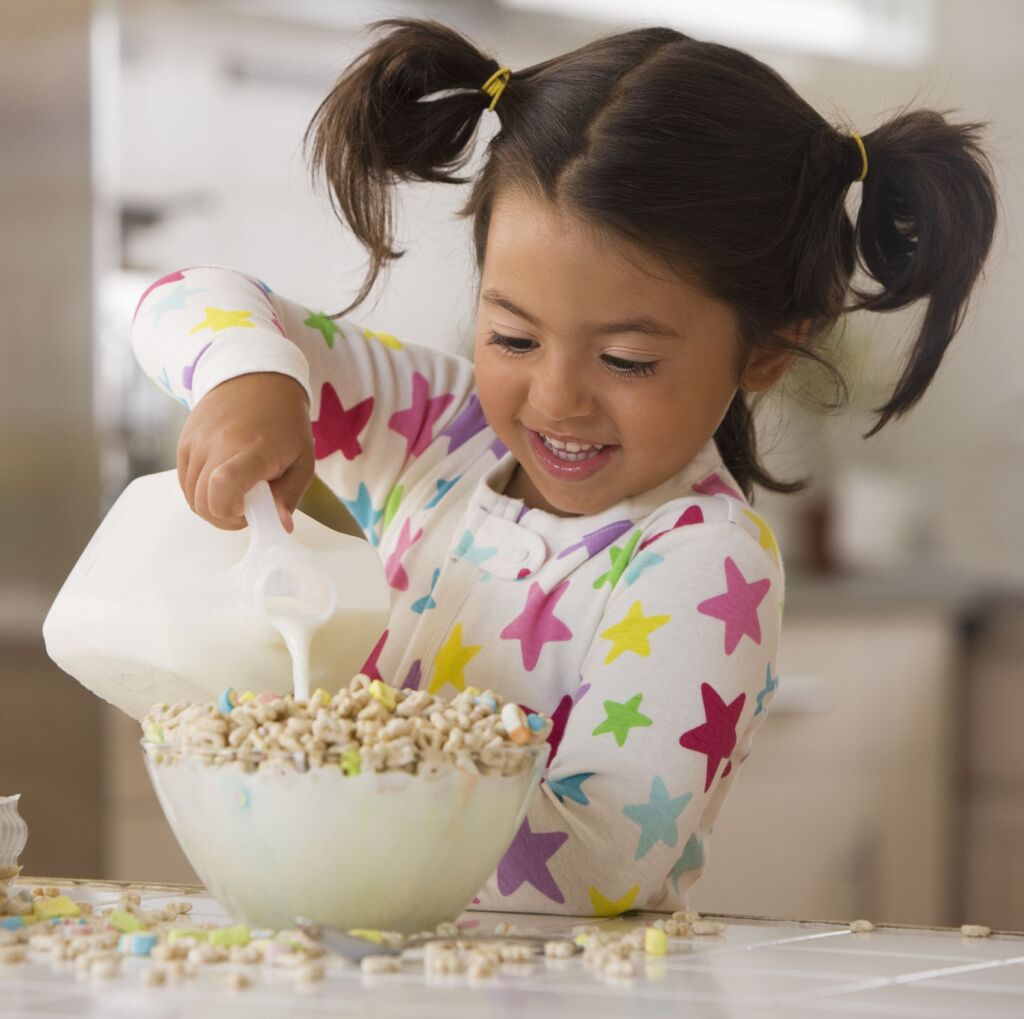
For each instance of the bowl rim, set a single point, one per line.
(301, 757)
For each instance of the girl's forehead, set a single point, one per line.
(538, 253)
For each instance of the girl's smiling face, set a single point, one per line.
(577, 343)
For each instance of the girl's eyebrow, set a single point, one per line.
(648, 326)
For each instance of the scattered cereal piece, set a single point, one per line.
(104, 968)
(310, 972)
(11, 954)
(686, 916)
(975, 930)
(560, 949)
(707, 927)
(377, 964)
(237, 981)
(861, 926)
(351, 762)
(447, 929)
(153, 976)
(655, 941)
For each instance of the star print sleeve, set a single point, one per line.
(671, 693)
(378, 406)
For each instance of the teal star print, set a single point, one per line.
(474, 553)
(770, 683)
(640, 563)
(427, 601)
(442, 487)
(692, 859)
(365, 515)
(174, 301)
(657, 817)
(621, 718)
(571, 787)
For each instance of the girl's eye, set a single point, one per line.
(623, 367)
(515, 345)
(510, 344)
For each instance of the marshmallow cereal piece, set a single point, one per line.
(247, 698)
(225, 937)
(227, 700)
(655, 941)
(380, 691)
(137, 943)
(351, 762)
(53, 907)
(367, 934)
(267, 697)
(975, 930)
(125, 922)
(514, 720)
(861, 926)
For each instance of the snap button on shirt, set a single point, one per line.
(514, 547)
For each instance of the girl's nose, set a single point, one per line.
(559, 390)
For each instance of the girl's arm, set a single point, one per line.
(362, 407)
(672, 689)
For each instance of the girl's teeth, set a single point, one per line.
(571, 450)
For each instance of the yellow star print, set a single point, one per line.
(218, 319)
(386, 338)
(451, 661)
(765, 537)
(630, 633)
(612, 907)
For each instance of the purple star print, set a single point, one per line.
(527, 860)
(597, 541)
(470, 421)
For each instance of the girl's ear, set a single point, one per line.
(766, 367)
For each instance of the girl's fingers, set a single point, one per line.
(288, 489)
(229, 481)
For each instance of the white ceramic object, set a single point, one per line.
(156, 608)
(381, 850)
(13, 831)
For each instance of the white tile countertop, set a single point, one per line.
(756, 967)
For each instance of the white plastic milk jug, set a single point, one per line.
(163, 606)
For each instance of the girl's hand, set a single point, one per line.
(251, 428)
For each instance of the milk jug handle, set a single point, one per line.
(261, 515)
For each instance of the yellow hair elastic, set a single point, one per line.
(495, 84)
(863, 154)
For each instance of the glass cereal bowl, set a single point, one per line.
(274, 837)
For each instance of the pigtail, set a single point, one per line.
(925, 227)
(377, 127)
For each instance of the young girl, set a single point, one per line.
(660, 230)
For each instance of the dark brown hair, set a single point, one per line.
(700, 155)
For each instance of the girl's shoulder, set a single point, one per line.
(691, 517)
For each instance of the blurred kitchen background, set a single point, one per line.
(142, 136)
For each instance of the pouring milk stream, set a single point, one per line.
(163, 606)
(286, 582)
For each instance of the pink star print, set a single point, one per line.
(416, 422)
(536, 624)
(716, 737)
(338, 428)
(737, 608)
(691, 515)
(714, 485)
(370, 665)
(393, 568)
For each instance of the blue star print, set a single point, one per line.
(657, 818)
(770, 683)
(640, 563)
(365, 515)
(571, 787)
(442, 487)
(427, 602)
(692, 859)
(467, 550)
(174, 301)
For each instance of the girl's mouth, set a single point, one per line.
(565, 463)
